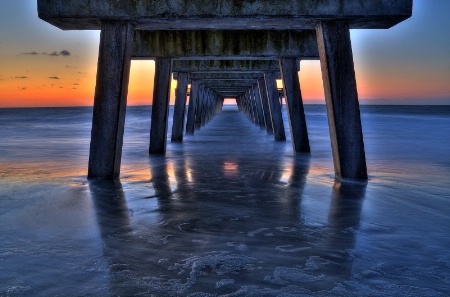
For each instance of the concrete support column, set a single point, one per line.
(259, 108)
(160, 107)
(341, 96)
(275, 107)
(294, 104)
(255, 106)
(193, 100)
(204, 116)
(220, 102)
(246, 105)
(200, 106)
(113, 72)
(265, 105)
(240, 103)
(251, 101)
(180, 107)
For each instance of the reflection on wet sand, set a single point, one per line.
(218, 232)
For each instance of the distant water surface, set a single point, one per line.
(229, 212)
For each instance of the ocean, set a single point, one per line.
(229, 212)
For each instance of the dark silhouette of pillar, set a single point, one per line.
(341, 96)
(180, 107)
(294, 103)
(108, 121)
(160, 107)
(193, 100)
(275, 107)
(265, 104)
(259, 108)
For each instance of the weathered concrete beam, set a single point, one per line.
(237, 66)
(225, 76)
(228, 83)
(229, 94)
(225, 44)
(223, 14)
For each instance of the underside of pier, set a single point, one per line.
(226, 49)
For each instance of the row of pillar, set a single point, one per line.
(341, 98)
(204, 104)
(261, 104)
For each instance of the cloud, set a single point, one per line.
(22, 88)
(53, 77)
(64, 53)
(21, 77)
(76, 84)
(31, 53)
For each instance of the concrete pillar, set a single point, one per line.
(275, 107)
(205, 110)
(193, 99)
(265, 105)
(245, 105)
(294, 104)
(180, 107)
(259, 108)
(160, 107)
(251, 101)
(199, 109)
(113, 72)
(240, 103)
(336, 58)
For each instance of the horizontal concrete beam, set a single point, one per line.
(228, 83)
(223, 88)
(226, 76)
(223, 14)
(239, 66)
(225, 44)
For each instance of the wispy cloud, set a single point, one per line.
(53, 77)
(22, 88)
(21, 77)
(63, 53)
(31, 53)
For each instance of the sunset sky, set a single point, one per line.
(41, 65)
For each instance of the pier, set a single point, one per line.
(226, 49)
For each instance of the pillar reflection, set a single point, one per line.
(110, 206)
(343, 224)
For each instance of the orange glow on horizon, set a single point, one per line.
(36, 83)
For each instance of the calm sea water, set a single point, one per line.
(229, 212)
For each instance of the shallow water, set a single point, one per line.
(229, 212)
